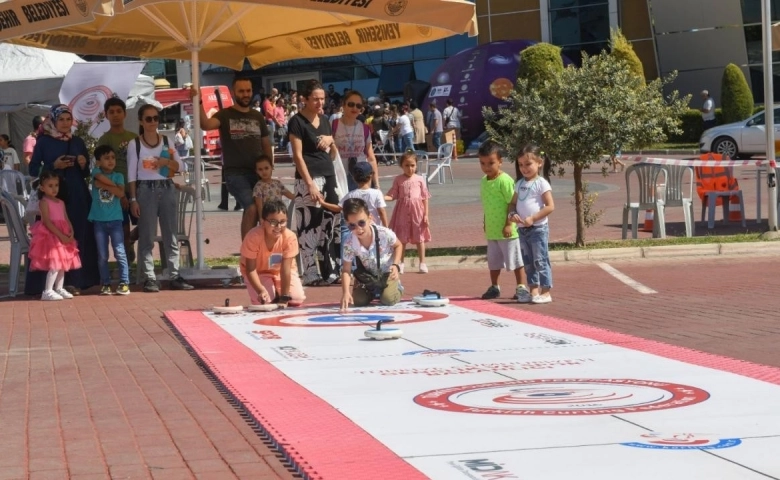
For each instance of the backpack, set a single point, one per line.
(171, 173)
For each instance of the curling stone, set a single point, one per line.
(227, 308)
(431, 299)
(266, 307)
(380, 333)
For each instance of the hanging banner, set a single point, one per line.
(87, 86)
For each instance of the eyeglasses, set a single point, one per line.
(277, 223)
(360, 223)
(354, 105)
(154, 119)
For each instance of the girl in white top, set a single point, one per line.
(8, 155)
(406, 129)
(533, 202)
(150, 166)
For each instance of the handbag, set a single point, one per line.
(342, 187)
(370, 280)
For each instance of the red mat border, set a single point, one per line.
(324, 444)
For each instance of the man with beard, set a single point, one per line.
(243, 134)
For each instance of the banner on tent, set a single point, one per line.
(88, 85)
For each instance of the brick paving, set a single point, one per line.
(99, 387)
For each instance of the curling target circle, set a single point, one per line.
(563, 397)
(354, 319)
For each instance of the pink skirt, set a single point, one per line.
(47, 252)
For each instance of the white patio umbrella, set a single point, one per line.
(262, 31)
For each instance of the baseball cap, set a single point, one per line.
(362, 171)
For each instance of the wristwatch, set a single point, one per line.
(133, 199)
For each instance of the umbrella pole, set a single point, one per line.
(195, 65)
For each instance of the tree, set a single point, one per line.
(540, 63)
(581, 113)
(622, 49)
(735, 95)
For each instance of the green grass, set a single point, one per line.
(674, 146)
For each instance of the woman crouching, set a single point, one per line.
(268, 259)
(376, 251)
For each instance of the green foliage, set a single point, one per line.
(83, 131)
(540, 62)
(622, 49)
(580, 114)
(735, 95)
(691, 127)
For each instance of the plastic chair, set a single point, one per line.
(650, 198)
(189, 176)
(422, 156)
(20, 241)
(675, 193)
(443, 160)
(717, 185)
(383, 148)
(15, 183)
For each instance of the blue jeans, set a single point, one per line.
(533, 246)
(408, 143)
(436, 140)
(241, 187)
(113, 232)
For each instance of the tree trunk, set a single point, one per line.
(579, 197)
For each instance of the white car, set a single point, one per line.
(739, 139)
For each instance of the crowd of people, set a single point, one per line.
(340, 233)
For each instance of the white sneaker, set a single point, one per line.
(522, 294)
(50, 295)
(423, 268)
(64, 293)
(539, 299)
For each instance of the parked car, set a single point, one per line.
(739, 139)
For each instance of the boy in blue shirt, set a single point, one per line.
(108, 187)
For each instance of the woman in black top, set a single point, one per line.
(315, 183)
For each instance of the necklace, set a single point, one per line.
(148, 144)
(528, 189)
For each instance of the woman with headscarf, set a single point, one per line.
(57, 149)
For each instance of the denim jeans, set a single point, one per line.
(436, 140)
(113, 232)
(533, 245)
(408, 143)
(158, 200)
(241, 187)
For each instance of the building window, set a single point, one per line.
(579, 25)
(751, 11)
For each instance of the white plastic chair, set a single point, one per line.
(422, 156)
(16, 184)
(675, 193)
(443, 160)
(650, 198)
(20, 241)
(189, 176)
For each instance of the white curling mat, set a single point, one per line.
(474, 395)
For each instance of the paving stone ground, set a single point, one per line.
(99, 387)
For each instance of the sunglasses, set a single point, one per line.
(277, 223)
(360, 223)
(154, 119)
(354, 105)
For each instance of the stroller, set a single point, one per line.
(384, 149)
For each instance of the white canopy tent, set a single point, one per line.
(30, 80)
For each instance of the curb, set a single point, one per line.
(620, 253)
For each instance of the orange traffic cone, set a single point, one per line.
(648, 221)
(735, 215)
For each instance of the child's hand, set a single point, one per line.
(66, 239)
(425, 220)
(263, 296)
(508, 230)
(346, 299)
(515, 218)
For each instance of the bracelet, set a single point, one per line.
(133, 199)
(397, 267)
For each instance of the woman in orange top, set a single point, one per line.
(268, 259)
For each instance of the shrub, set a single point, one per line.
(539, 62)
(736, 97)
(622, 49)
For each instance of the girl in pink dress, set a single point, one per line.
(53, 247)
(410, 215)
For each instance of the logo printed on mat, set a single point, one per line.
(547, 338)
(264, 335)
(483, 467)
(490, 323)
(683, 441)
(291, 352)
(356, 318)
(568, 396)
(439, 352)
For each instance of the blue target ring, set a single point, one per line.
(349, 318)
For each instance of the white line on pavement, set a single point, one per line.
(625, 278)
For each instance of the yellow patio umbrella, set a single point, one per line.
(225, 33)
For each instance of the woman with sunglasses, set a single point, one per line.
(153, 198)
(353, 139)
(375, 250)
(57, 149)
(315, 181)
(268, 259)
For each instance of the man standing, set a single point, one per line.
(243, 134)
(29, 143)
(117, 138)
(333, 95)
(435, 126)
(707, 110)
(452, 125)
